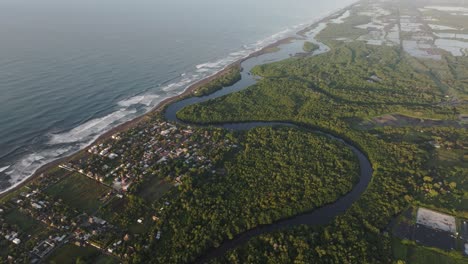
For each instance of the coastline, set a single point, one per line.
(161, 106)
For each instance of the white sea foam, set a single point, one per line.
(31, 162)
(4, 168)
(203, 70)
(91, 128)
(139, 99)
(174, 86)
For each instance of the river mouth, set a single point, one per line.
(319, 216)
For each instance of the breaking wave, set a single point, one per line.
(28, 164)
(92, 129)
(4, 168)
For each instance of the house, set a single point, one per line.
(165, 132)
(96, 220)
(60, 239)
(435, 144)
(36, 206)
(11, 236)
(113, 156)
(161, 160)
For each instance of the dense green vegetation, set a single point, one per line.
(344, 30)
(334, 85)
(334, 91)
(445, 186)
(231, 76)
(278, 173)
(310, 47)
(358, 235)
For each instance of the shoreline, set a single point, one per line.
(161, 106)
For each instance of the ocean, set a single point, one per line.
(71, 70)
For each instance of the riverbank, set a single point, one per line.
(188, 92)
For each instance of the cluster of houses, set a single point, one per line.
(54, 214)
(12, 236)
(91, 228)
(131, 156)
(118, 163)
(64, 224)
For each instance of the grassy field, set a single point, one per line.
(71, 253)
(154, 189)
(79, 192)
(414, 254)
(108, 212)
(25, 223)
(450, 157)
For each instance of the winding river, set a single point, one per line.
(320, 216)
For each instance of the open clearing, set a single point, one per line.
(154, 189)
(24, 222)
(70, 254)
(79, 192)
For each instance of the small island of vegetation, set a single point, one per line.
(310, 47)
(228, 77)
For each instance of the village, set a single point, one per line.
(76, 205)
(122, 161)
